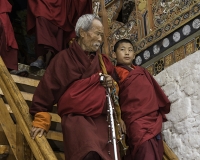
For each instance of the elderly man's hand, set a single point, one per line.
(35, 131)
(108, 81)
(123, 126)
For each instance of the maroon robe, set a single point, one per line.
(49, 37)
(55, 21)
(143, 105)
(85, 90)
(72, 81)
(8, 44)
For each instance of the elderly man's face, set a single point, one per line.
(93, 37)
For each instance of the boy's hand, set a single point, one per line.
(107, 82)
(35, 131)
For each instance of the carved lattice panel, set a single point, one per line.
(189, 48)
(159, 65)
(169, 59)
(179, 54)
(197, 41)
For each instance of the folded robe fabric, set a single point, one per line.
(68, 66)
(83, 97)
(62, 13)
(8, 44)
(5, 8)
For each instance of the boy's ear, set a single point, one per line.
(114, 55)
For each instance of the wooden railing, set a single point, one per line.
(14, 102)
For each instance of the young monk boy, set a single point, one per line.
(143, 105)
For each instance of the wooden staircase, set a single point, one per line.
(15, 122)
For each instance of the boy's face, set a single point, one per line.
(125, 54)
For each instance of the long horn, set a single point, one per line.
(112, 123)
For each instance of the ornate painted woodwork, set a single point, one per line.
(155, 26)
(174, 56)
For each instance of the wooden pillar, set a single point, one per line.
(103, 14)
(150, 16)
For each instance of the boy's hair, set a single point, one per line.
(121, 41)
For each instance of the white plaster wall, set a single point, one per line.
(181, 83)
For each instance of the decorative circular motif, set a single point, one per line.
(150, 38)
(146, 54)
(186, 30)
(196, 23)
(158, 33)
(176, 36)
(177, 21)
(195, 8)
(167, 27)
(142, 44)
(156, 49)
(165, 42)
(186, 15)
(138, 60)
(159, 66)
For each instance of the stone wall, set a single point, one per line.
(181, 83)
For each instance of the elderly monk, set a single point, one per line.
(54, 23)
(143, 105)
(72, 81)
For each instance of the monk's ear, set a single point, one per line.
(82, 33)
(114, 55)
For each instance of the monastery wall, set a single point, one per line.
(181, 83)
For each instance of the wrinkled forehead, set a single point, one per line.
(96, 25)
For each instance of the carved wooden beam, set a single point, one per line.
(106, 28)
